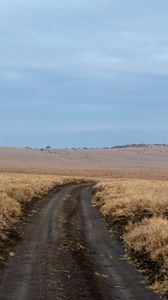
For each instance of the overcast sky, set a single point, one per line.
(83, 72)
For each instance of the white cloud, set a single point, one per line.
(84, 36)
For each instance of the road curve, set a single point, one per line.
(67, 253)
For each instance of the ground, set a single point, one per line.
(66, 252)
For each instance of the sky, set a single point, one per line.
(76, 73)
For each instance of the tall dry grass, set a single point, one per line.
(18, 189)
(127, 197)
(143, 205)
(151, 236)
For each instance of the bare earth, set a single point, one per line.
(67, 253)
(147, 157)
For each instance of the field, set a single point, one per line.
(35, 160)
(133, 201)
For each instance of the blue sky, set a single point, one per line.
(83, 72)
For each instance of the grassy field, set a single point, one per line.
(138, 211)
(99, 173)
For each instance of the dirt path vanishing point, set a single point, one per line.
(67, 253)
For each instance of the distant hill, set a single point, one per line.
(138, 146)
(126, 156)
(50, 149)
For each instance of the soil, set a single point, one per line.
(66, 252)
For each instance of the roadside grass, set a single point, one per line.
(127, 197)
(18, 189)
(138, 209)
(151, 236)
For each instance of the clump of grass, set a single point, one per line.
(24, 187)
(140, 210)
(9, 210)
(18, 189)
(151, 236)
(127, 197)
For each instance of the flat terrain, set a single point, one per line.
(66, 252)
(135, 157)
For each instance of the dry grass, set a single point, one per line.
(9, 210)
(127, 203)
(18, 189)
(151, 236)
(127, 197)
(104, 173)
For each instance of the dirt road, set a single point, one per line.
(67, 253)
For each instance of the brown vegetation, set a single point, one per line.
(139, 208)
(18, 189)
(151, 235)
(127, 197)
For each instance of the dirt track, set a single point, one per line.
(67, 253)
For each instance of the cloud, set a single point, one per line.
(84, 36)
(98, 65)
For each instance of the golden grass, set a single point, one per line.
(9, 209)
(127, 197)
(151, 236)
(132, 200)
(104, 173)
(18, 189)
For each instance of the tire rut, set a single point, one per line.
(77, 254)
